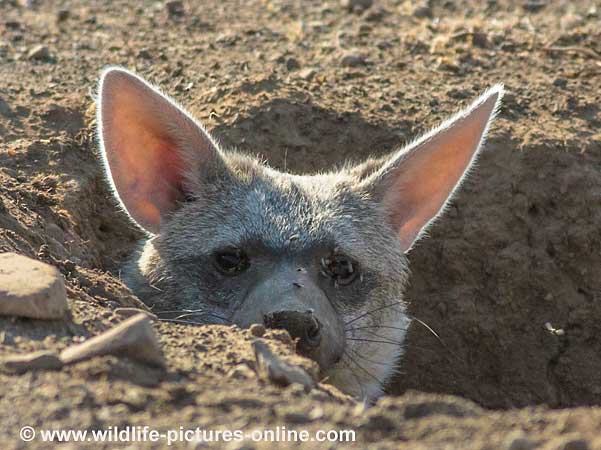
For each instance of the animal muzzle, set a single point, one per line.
(292, 300)
(302, 325)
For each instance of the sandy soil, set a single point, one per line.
(519, 248)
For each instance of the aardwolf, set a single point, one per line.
(237, 242)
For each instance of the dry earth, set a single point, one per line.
(307, 85)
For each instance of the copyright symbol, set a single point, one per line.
(27, 434)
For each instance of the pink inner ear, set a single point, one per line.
(154, 183)
(426, 177)
(145, 162)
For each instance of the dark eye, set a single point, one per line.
(341, 268)
(231, 260)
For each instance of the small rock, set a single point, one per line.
(560, 82)
(448, 63)
(574, 444)
(241, 372)
(296, 417)
(42, 360)
(356, 6)
(39, 53)
(62, 15)
(376, 15)
(201, 348)
(30, 288)
(365, 29)
(517, 441)
(144, 54)
(134, 338)
(5, 109)
(422, 11)
(175, 8)
(378, 422)
(271, 367)
(534, 7)
(316, 413)
(292, 64)
(480, 40)
(12, 25)
(307, 74)
(352, 60)
(257, 329)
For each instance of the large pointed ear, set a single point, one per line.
(150, 146)
(414, 185)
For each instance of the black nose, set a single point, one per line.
(303, 326)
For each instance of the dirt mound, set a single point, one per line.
(509, 279)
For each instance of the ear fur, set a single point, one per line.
(151, 147)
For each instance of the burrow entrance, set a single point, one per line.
(518, 249)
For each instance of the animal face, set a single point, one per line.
(231, 240)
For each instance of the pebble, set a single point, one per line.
(517, 441)
(574, 444)
(269, 366)
(316, 413)
(296, 417)
(534, 7)
(378, 422)
(257, 329)
(5, 109)
(241, 372)
(356, 6)
(352, 60)
(42, 360)
(39, 53)
(175, 8)
(12, 25)
(30, 288)
(422, 11)
(62, 15)
(292, 64)
(376, 15)
(307, 74)
(144, 54)
(134, 338)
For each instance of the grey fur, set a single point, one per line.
(285, 223)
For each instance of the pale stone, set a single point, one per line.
(30, 288)
(42, 360)
(134, 338)
(269, 366)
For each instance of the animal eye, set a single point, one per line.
(341, 268)
(231, 260)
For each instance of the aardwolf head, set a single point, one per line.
(322, 256)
